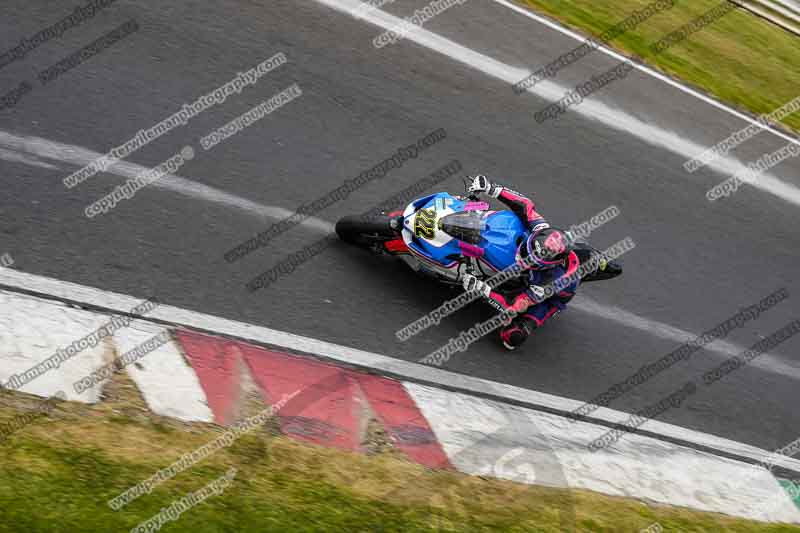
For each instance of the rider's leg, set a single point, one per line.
(516, 333)
(513, 335)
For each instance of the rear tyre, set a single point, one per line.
(365, 231)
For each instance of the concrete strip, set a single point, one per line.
(477, 434)
(217, 365)
(480, 436)
(771, 13)
(105, 301)
(31, 330)
(168, 384)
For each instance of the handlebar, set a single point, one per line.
(472, 197)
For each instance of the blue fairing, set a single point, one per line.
(428, 201)
(499, 242)
(438, 254)
(499, 239)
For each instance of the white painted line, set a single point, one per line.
(167, 382)
(403, 369)
(31, 330)
(483, 437)
(79, 156)
(19, 157)
(790, 13)
(721, 348)
(793, 5)
(591, 107)
(785, 21)
(654, 73)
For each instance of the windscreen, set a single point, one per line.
(464, 226)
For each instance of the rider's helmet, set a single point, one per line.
(544, 249)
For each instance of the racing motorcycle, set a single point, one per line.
(442, 236)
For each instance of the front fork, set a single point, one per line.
(468, 265)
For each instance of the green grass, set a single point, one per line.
(57, 474)
(740, 59)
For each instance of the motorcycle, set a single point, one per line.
(442, 236)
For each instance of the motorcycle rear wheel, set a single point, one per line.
(365, 231)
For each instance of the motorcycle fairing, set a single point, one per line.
(436, 249)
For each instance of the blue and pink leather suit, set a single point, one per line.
(532, 313)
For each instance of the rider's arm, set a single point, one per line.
(538, 314)
(562, 297)
(567, 286)
(547, 296)
(528, 299)
(522, 206)
(519, 204)
(519, 304)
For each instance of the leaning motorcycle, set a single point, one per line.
(443, 236)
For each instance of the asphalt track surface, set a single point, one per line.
(695, 263)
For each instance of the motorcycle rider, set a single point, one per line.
(544, 258)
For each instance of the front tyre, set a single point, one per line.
(602, 270)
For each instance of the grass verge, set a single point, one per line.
(58, 472)
(740, 59)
